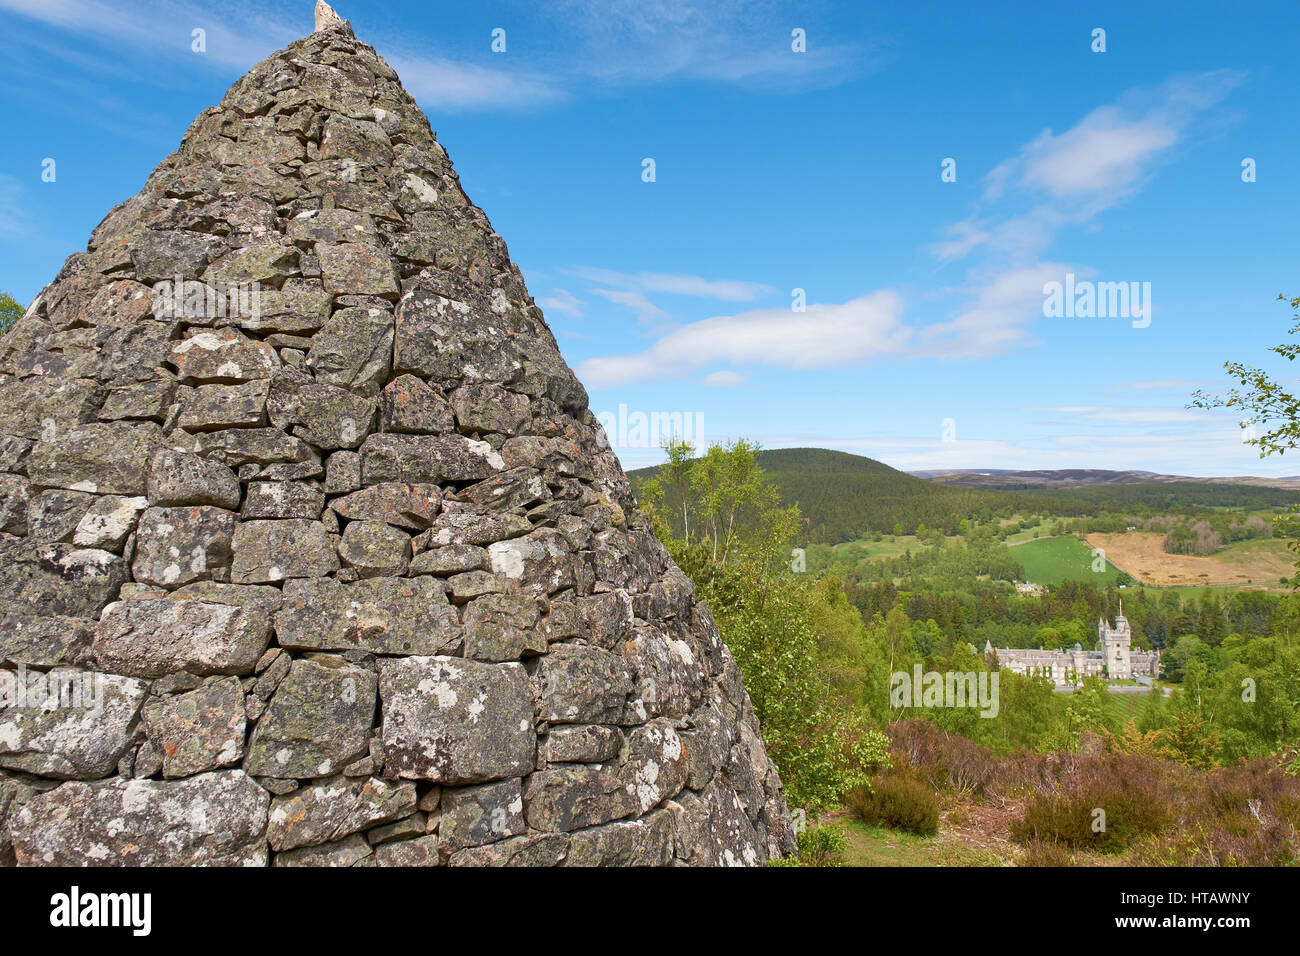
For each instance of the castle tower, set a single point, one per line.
(293, 472)
(1116, 645)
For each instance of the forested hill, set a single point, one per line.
(843, 496)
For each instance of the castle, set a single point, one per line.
(1116, 660)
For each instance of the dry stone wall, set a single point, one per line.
(311, 552)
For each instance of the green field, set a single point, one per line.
(1063, 558)
(890, 546)
(1041, 529)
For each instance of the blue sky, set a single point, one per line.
(923, 342)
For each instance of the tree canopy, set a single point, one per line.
(11, 310)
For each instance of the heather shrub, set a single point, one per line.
(1106, 804)
(1045, 853)
(1244, 815)
(1026, 772)
(943, 760)
(1166, 813)
(900, 801)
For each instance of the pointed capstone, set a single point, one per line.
(328, 19)
(295, 482)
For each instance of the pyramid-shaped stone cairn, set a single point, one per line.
(311, 551)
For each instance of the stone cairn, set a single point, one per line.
(311, 551)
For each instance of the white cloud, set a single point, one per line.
(13, 218)
(964, 237)
(1054, 182)
(238, 36)
(996, 320)
(645, 309)
(564, 302)
(441, 84)
(824, 336)
(1070, 178)
(725, 290)
(1105, 151)
(830, 335)
(727, 41)
(1113, 148)
(1129, 414)
(1210, 452)
(1164, 384)
(724, 378)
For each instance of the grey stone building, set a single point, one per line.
(1116, 660)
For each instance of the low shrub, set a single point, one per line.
(945, 761)
(818, 846)
(1045, 853)
(1168, 814)
(899, 801)
(1243, 815)
(1106, 804)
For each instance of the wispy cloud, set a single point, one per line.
(13, 218)
(564, 302)
(1066, 179)
(1131, 414)
(725, 290)
(440, 83)
(960, 239)
(724, 378)
(1054, 182)
(1208, 452)
(238, 36)
(1115, 148)
(614, 42)
(611, 44)
(633, 290)
(1164, 384)
(997, 319)
(824, 336)
(740, 42)
(646, 311)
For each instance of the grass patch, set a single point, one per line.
(851, 552)
(1127, 705)
(1041, 530)
(870, 845)
(1063, 558)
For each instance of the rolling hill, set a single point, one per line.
(844, 497)
(999, 479)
